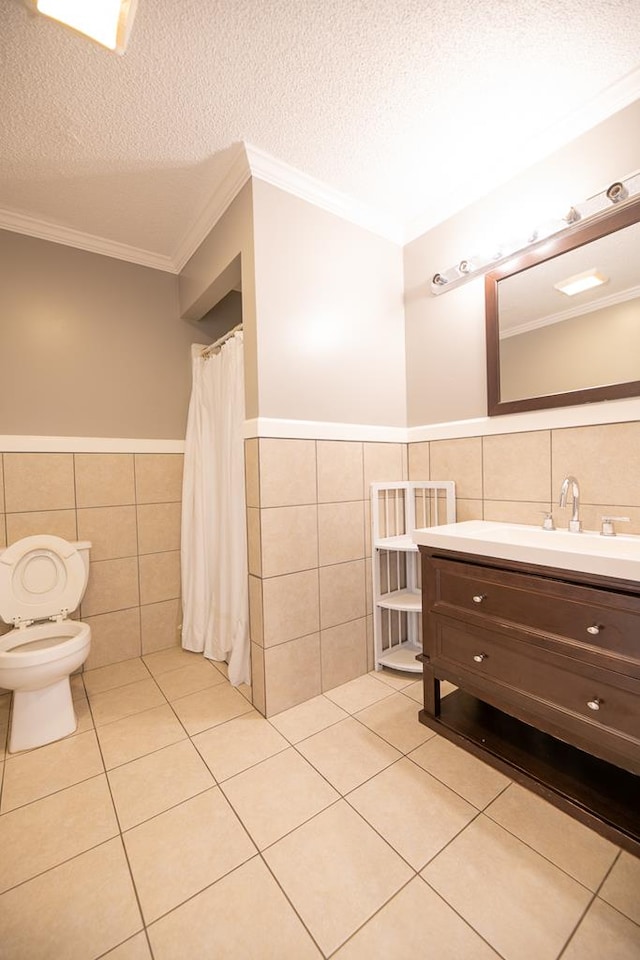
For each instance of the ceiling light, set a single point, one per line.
(581, 282)
(108, 22)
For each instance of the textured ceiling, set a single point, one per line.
(412, 107)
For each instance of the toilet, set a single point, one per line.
(42, 580)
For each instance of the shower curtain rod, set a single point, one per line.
(213, 347)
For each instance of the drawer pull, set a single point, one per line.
(594, 704)
(479, 597)
(479, 657)
(594, 630)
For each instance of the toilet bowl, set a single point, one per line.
(42, 580)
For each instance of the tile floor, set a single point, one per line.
(178, 823)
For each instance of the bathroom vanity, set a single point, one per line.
(546, 660)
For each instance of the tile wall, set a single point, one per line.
(515, 477)
(128, 506)
(308, 522)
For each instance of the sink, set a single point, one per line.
(587, 552)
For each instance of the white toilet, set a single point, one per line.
(42, 580)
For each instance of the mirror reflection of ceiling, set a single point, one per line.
(387, 103)
(529, 299)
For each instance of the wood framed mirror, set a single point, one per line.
(550, 348)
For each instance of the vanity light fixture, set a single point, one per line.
(581, 282)
(108, 22)
(588, 210)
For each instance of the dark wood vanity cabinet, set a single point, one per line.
(547, 666)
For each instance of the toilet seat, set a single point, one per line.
(41, 578)
(42, 643)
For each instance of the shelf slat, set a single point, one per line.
(403, 543)
(410, 600)
(402, 657)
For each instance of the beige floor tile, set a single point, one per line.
(347, 754)
(337, 872)
(114, 675)
(43, 834)
(278, 795)
(137, 948)
(195, 844)
(38, 773)
(189, 679)
(5, 704)
(79, 909)
(161, 661)
(396, 721)
(133, 737)
(415, 691)
(414, 812)
(394, 678)
(4, 734)
(571, 846)
(83, 715)
(214, 924)
(519, 902)
(209, 707)
(622, 887)
(222, 666)
(307, 718)
(474, 780)
(125, 701)
(604, 933)
(234, 746)
(406, 927)
(359, 693)
(149, 786)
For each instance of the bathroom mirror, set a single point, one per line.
(548, 346)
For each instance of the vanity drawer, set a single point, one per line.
(545, 679)
(603, 621)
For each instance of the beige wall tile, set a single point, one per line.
(459, 460)
(3, 538)
(517, 466)
(370, 647)
(111, 530)
(59, 523)
(38, 481)
(343, 653)
(256, 622)
(287, 472)
(468, 510)
(368, 585)
(340, 532)
(289, 540)
(1, 484)
(252, 472)
(114, 637)
(367, 528)
(291, 606)
(159, 527)
(160, 625)
(104, 479)
(257, 678)
(418, 454)
(382, 461)
(113, 585)
(605, 460)
(513, 511)
(158, 477)
(291, 673)
(159, 576)
(340, 470)
(342, 593)
(254, 542)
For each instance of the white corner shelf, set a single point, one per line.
(396, 510)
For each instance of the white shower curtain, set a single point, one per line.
(215, 617)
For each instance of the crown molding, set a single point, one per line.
(237, 174)
(279, 174)
(55, 233)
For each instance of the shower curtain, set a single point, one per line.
(215, 618)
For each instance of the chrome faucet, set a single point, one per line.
(575, 524)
